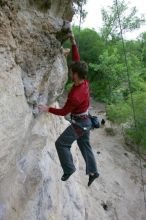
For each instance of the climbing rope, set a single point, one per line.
(132, 99)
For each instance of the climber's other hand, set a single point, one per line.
(66, 52)
(43, 108)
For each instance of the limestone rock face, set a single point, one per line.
(33, 70)
(29, 40)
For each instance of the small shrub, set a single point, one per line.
(119, 113)
(122, 113)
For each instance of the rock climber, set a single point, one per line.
(77, 104)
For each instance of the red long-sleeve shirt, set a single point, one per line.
(78, 97)
(75, 53)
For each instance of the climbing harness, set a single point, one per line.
(132, 100)
(74, 121)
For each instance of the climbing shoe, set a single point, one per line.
(66, 176)
(92, 178)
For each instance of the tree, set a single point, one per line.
(110, 74)
(90, 44)
(79, 9)
(143, 47)
(129, 19)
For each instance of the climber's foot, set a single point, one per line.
(66, 176)
(92, 178)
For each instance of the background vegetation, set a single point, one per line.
(109, 83)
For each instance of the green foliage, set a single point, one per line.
(108, 72)
(90, 44)
(123, 113)
(68, 86)
(119, 113)
(143, 47)
(128, 18)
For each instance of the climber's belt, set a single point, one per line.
(75, 117)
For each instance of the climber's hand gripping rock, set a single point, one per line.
(43, 108)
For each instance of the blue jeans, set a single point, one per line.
(81, 133)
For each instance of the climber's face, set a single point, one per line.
(74, 76)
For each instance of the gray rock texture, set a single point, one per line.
(30, 40)
(33, 71)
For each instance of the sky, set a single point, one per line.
(94, 18)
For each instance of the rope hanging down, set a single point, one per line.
(131, 96)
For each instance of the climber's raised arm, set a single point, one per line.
(75, 52)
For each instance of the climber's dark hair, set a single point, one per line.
(79, 67)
